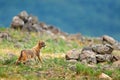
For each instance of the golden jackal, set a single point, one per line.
(31, 53)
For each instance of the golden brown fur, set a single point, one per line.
(31, 53)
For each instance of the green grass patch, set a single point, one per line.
(2, 29)
(84, 70)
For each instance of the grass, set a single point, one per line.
(84, 70)
(51, 69)
(54, 66)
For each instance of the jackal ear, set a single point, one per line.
(39, 41)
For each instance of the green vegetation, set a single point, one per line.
(28, 40)
(54, 66)
(84, 70)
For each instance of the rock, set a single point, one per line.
(104, 76)
(10, 55)
(32, 27)
(72, 61)
(43, 73)
(108, 39)
(26, 39)
(104, 58)
(18, 45)
(17, 23)
(26, 22)
(28, 27)
(116, 58)
(92, 66)
(72, 54)
(24, 16)
(50, 33)
(109, 57)
(30, 23)
(53, 29)
(88, 56)
(4, 35)
(87, 48)
(103, 49)
(116, 46)
(106, 66)
(72, 67)
(37, 28)
(75, 37)
(116, 64)
(44, 26)
(100, 58)
(33, 19)
(62, 37)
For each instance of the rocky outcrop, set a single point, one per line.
(96, 53)
(25, 22)
(30, 23)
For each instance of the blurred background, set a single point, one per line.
(89, 17)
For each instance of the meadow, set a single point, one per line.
(54, 66)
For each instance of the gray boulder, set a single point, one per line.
(31, 27)
(43, 25)
(104, 58)
(103, 49)
(108, 39)
(24, 16)
(72, 54)
(17, 23)
(88, 56)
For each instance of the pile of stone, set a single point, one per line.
(30, 23)
(25, 22)
(96, 53)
